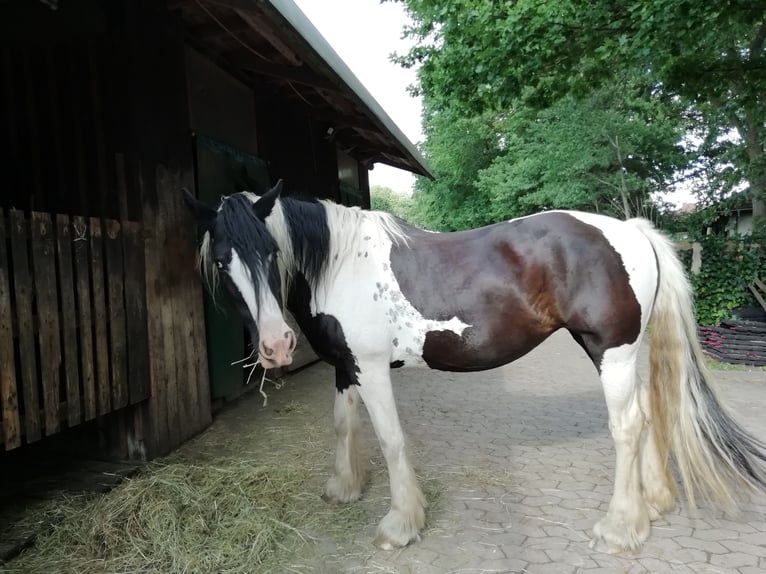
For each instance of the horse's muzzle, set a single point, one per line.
(277, 351)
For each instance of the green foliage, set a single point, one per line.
(729, 265)
(481, 56)
(457, 148)
(386, 199)
(606, 153)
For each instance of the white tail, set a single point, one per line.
(716, 457)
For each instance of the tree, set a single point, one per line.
(386, 199)
(609, 152)
(457, 149)
(481, 55)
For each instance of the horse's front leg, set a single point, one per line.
(406, 517)
(347, 481)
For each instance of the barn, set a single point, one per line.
(108, 343)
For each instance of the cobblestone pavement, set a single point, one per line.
(522, 465)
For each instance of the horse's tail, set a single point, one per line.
(716, 457)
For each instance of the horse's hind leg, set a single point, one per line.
(406, 517)
(345, 485)
(626, 524)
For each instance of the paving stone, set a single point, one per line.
(505, 565)
(550, 569)
(739, 546)
(705, 545)
(734, 560)
(571, 557)
(658, 565)
(716, 534)
(755, 538)
(705, 568)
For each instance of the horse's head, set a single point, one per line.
(238, 248)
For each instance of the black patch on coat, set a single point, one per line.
(396, 364)
(307, 224)
(324, 333)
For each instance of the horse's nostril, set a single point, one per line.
(268, 351)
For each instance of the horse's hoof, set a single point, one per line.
(398, 529)
(598, 544)
(338, 492)
(618, 532)
(384, 543)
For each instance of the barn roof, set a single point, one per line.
(272, 40)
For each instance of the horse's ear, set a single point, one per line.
(203, 214)
(265, 204)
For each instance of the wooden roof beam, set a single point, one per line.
(266, 30)
(299, 75)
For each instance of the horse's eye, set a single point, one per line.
(219, 264)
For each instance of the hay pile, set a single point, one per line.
(240, 498)
(221, 516)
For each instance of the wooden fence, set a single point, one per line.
(73, 342)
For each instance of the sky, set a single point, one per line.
(365, 33)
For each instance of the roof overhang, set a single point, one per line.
(273, 41)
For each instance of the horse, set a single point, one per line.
(371, 293)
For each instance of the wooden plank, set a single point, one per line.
(52, 61)
(8, 389)
(181, 256)
(99, 136)
(200, 346)
(135, 312)
(115, 292)
(82, 281)
(44, 265)
(68, 319)
(77, 99)
(757, 295)
(13, 117)
(173, 347)
(122, 186)
(103, 399)
(23, 289)
(32, 130)
(157, 433)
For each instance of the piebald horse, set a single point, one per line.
(371, 293)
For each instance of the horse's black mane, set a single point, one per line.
(306, 221)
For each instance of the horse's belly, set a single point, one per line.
(472, 351)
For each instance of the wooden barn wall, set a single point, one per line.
(220, 106)
(295, 146)
(94, 126)
(180, 405)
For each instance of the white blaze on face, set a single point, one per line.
(275, 335)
